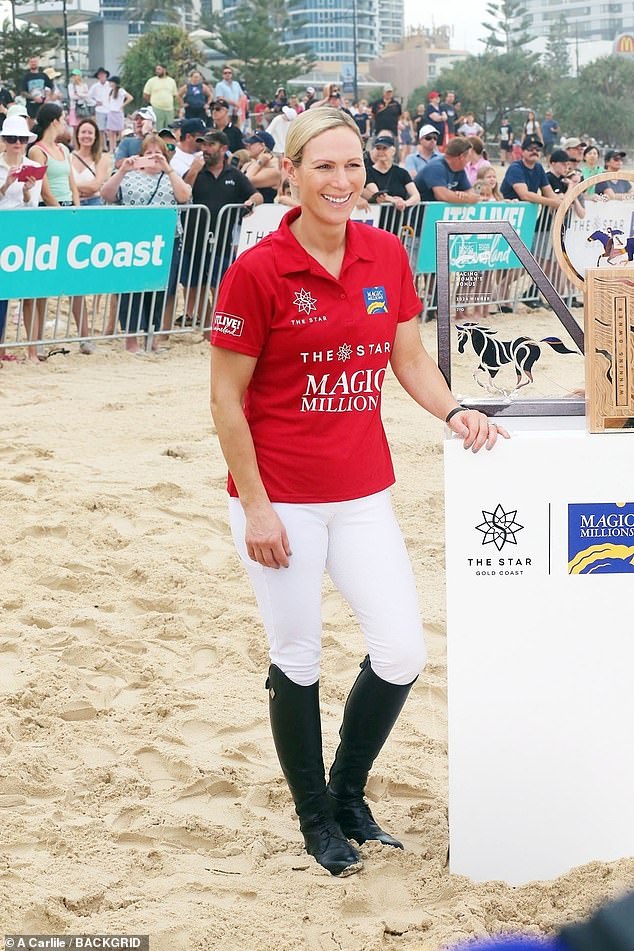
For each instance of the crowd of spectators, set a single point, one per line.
(208, 144)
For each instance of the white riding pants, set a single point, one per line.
(360, 545)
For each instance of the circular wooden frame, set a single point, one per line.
(558, 224)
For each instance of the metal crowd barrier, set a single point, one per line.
(95, 318)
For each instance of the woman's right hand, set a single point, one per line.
(266, 539)
(128, 163)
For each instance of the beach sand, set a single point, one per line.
(139, 788)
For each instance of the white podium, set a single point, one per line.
(540, 643)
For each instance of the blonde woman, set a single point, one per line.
(310, 474)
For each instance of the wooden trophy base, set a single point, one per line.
(609, 346)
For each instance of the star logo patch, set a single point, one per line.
(305, 302)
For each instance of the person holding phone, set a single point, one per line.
(141, 180)
(18, 189)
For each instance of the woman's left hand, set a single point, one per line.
(476, 429)
(161, 163)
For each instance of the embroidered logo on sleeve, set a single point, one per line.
(375, 300)
(228, 324)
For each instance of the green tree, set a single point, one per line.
(491, 85)
(253, 37)
(168, 45)
(163, 11)
(507, 31)
(18, 43)
(599, 101)
(557, 55)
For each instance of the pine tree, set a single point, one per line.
(557, 55)
(509, 30)
(18, 43)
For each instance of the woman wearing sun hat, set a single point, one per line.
(14, 194)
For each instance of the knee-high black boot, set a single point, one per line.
(371, 711)
(296, 726)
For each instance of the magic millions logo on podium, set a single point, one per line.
(601, 538)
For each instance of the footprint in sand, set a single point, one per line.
(204, 659)
(12, 677)
(162, 771)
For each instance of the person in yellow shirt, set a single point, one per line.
(161, 92)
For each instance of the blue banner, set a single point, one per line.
(48, 252)
(476, 252)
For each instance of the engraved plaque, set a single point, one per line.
(609, 345)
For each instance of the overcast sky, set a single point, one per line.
(465, 16)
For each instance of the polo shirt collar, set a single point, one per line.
(290, 256)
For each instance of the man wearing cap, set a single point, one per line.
(263, 168)
(214, 184)
(310, 98)
(574, 147)
(435, 116)
(386, 113)
(387, 182)
(229, 90)
(445, 178)
(221, 122)
(426, 151)
(192, 131)
(614, 188)
(36, 87)
(143, 121)
(99, 92)
(557, 174)
(525, 179)
(161, 92)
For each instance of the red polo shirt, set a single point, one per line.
(322, 346)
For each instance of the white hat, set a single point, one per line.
(289, 112)
(146, 112)
(16, 125)
(427, 130)
(17, 109)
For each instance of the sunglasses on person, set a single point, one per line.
(12, 139)
(430, 138)
(217, 108)
(171, 146)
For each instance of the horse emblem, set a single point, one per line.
(522, 354)
(617, 248)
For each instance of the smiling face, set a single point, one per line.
(490, 178)
(86, 134)
(330, 176)
(591, 158)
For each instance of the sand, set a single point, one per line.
(139, 788)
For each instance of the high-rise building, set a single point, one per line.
(334, 28)
(585, 19)
(391, 22)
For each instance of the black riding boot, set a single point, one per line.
(296, 726)
(371, 711)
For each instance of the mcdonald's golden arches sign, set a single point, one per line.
(624, 44)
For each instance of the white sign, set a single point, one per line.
(266, 218)
(540, 651)
(587, 240)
